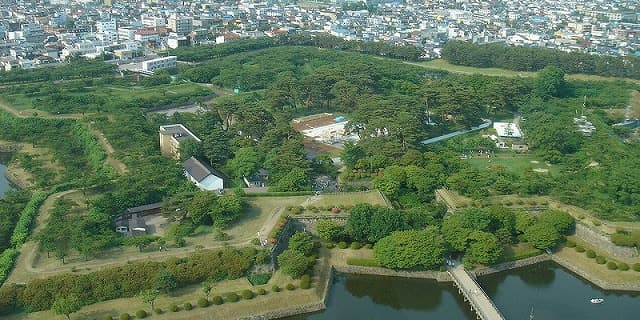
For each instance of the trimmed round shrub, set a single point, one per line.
(636, 267)
(217, 300)
(275, 288)
(232, 297)
(623, 266)
(356, 245)
(612, 265)
(368, 246)
(571, 244)
(125, 316)
(158, 311)
(247, 294)
(141, 314)
(579, 249)
(290, 286)
(342, 245)
(597, 223)
(519, 202)
(188, 306)
(330, 245)
(601, 260)
(203, 303)
(591, 254)
(174, 308)
(262, 291)
(305, 282)
(580, 217)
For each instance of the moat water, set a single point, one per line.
(545, 290)
(5, 185)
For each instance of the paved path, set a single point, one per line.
(485, 124)
(471, 290)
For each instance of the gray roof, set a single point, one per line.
(198, 170)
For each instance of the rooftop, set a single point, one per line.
(179, 132)
(198, 170)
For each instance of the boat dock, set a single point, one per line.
(472, 292)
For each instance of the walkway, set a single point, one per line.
(471, 290)
(486, 123)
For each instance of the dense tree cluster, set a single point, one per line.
(10, 208)
(72, 146)
(534, 59)
(203, 53)
(77, 69)
(299, 256)
(126, 280)
(412, 249)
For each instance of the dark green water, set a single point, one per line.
(373, 297)
(4, 183)
(553, 292)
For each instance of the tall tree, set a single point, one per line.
(411, 249)
(66, 305)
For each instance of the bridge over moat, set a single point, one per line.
(472, 292)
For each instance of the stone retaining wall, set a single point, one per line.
(435, 275)
(511, 265)
(603, 242)
(606, 285)
(289, 312)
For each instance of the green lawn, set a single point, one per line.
(513, 163)
(373, 197)
(445, 65)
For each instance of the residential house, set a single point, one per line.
(204, 177)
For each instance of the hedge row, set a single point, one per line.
(7, 259)
(93, 150)
(21, 231)
(126, 280)
(23, 227)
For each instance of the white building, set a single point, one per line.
(180, 25)
(159, 63)
(204, 177)
(152, 22)
(507, 130)
(145, 35)
(107, 36)
(109, 25)
(126, 33)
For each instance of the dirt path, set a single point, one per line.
(102, 140)
(29, 250)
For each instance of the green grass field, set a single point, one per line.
(514, 163)
(373, 197)
(442, 64)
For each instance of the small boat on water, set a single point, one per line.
(597, 300)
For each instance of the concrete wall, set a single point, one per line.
(598, 282)
(435, 275)
(511, 265)
(603, 242)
